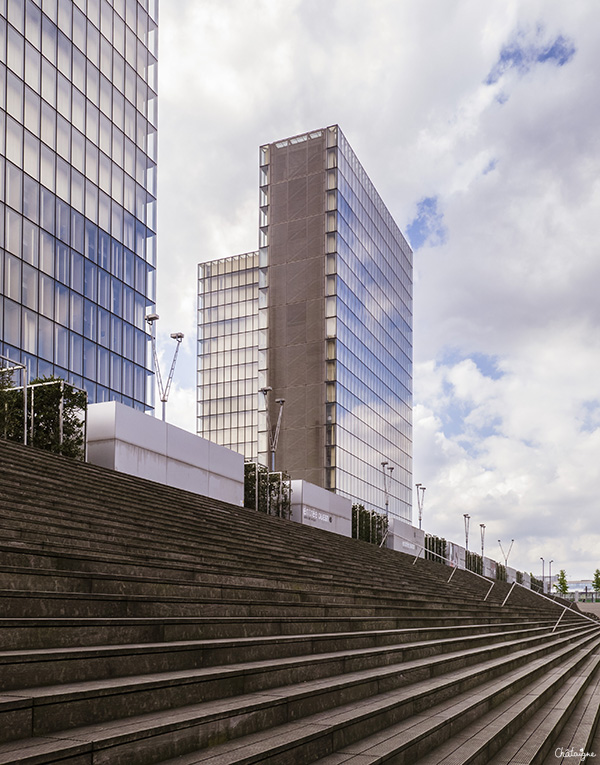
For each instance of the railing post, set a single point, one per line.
(25, 407)
(559, 618)
(417, 557)
(452, 574)
(488, 592)
(61, 413)
(31, 412)
(512, 587)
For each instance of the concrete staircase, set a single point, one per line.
(141, 624)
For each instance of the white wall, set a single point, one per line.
(314, 506)
(405, 537)
(123, 439)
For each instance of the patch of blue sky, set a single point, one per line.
(590, 416)
(428, 225)
(470, 437)
(522, 55)
(490, 166)
(486, 363)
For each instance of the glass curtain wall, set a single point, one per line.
(228, 352)
(369, 301)
(78, 118)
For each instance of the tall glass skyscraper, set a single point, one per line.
(78, 119)
(334, 318)
(228, 356)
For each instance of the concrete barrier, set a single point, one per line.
(123, 439)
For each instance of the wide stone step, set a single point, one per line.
(410, 721)
(15, 603)
(44, 580)
(286, 658)
(91, 545)
(525, 728)
(48, 666)
(36, 633)
(578, 732)
(156, 736)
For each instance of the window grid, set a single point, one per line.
(80, 191)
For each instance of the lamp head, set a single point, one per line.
(177, 336)
(152, 317)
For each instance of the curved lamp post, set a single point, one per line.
(163, 390)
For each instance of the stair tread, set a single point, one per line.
(138, 727)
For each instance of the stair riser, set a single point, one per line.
(68, 713)
(61, 582)
(30, 673)
(57, 635)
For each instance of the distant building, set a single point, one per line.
(228, 342)
(78, 117)
(327, 304)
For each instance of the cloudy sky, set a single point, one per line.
(478, 124)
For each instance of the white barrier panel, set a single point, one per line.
(123, 439)
(404, 537)
(314, 506)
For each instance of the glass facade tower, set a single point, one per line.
(334, 313)
(228, 352)
(78, 118)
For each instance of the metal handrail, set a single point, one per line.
(560, 605)
(559, 618)
(456, 567)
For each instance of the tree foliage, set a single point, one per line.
(368, 525)
(536, 584)
(473, 562)
(55, 417)
(596, 580)
(561, 585)
(435, 548)
(267, 492)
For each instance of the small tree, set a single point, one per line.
(474, 562)
(500, 572)
(267, 492)
(11, 408)
(536, 584)
(596, 582)
(56, 414)
(561, 585)
(368, 525)
(435, 548)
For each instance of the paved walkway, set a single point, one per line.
(592, 608)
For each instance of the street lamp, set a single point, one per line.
(550, 576)
(482, 529)
(387, 484)
(420, 498)
(151, 319)
(543, 580)
(273, 437)
(467, 518)
(505, 555)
